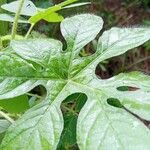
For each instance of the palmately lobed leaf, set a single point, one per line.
(100, 125)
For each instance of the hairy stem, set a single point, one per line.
(15, 24)
(29, 31)
(35, 95)
(6, 117)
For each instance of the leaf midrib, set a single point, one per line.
(32, 78)
(73, 48)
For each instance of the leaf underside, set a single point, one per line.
(36, 62)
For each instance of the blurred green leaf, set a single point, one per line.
(28, 9)
(44, 4)
(3, 25)
(15, 105)
(68, 137)
(54, 17)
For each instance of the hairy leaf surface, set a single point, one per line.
(43, 62)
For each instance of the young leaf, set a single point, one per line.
(62, 73)
(28, 9)
(46, 13)
(77, 5)
(11, 18)
(54, 17)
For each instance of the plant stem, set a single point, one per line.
(70, 110)
(29, 31)
(15, 24)
(6, 117)
(67, 2)
(35, 95)
(139, 61)
(8, 37)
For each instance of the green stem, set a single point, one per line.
(6, 117)
(67, 2)
(8, 37)
(29, 31)
(35, 95)
(15, 24)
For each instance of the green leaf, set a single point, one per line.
(44, 13)
(44, 4)
(43, 127)
(117, 41)
(40, 52)
(78, 32)
(3, 25)
(54, 17)
(28, 9)
(50, 13)
(67, 2)
(138, 101)
(43, 62)
(100, 125)
(11, 18)
(15, 105)
(68, 137)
